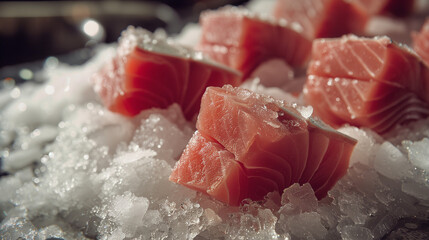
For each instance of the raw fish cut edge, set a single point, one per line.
(151, 42)
(246, 13)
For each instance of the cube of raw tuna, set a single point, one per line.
(244, 40)
(367, 82)
(151, 72)
(248, 145)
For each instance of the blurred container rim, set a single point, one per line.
(84, 9)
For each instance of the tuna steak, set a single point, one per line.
(323, 18)
(243, 40)
(150, 72)
(367, 82)
(248, 145)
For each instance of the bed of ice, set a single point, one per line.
(76, 171)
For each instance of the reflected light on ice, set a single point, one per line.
(26, 74)
(91, 28)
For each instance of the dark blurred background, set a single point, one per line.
(33, 30)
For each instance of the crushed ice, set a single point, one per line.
(87, 172)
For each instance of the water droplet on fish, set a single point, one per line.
(283, 22)
(297, 27)
(305, 90)
(317, 63)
